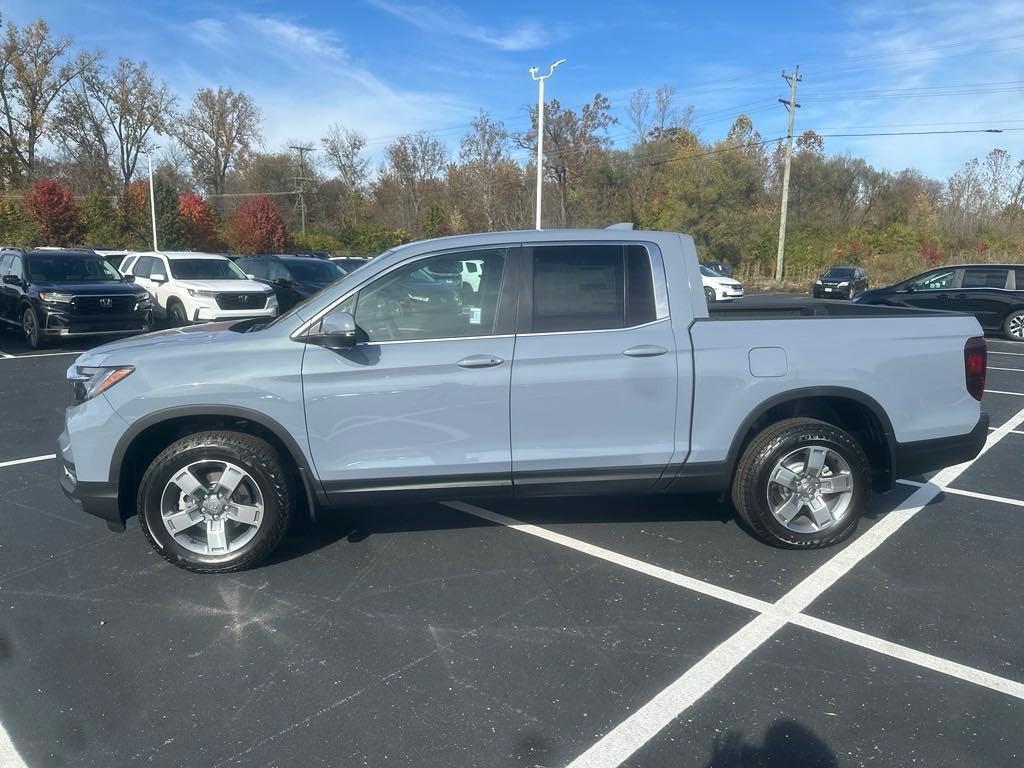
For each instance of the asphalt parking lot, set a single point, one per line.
(592, 632)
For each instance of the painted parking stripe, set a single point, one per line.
(1012, 431)
(29, 460)
(997, 352)
(1016, 370)
(631, 734)
(1002, 392)
(971, 494)
(5, 356)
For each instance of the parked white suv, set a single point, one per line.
(190, 287)
(718, 287)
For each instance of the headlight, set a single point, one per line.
(56, 298)
(844, 283)
(89, 381)
(202, 294)
(143, 302)
(817, 282)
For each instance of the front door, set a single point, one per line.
(932, 290)
(421, 402)
(594, 381)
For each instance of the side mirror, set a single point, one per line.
(909, 288)
(12, 280)
(337, 331)
(158, 277)
(250, 275)
(129, 278)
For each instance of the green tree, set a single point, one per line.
(100, 217)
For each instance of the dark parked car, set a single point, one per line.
(293, 278)
(65, 293)
(349, 263)
(840, 283)
(721, 267)
(993, 293)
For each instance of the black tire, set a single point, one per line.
(709, 294)
(176, 315)
(1013, 326)
(252, 454)
(30, 329)
(750, 487)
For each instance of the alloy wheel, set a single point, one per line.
(810, 489)
(1016, 326)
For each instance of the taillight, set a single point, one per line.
(975, 365)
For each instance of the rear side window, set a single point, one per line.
(591, 287)
(1018, 274)
(984, 278)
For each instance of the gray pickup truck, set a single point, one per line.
(581, 362)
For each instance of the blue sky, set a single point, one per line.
(390, 66)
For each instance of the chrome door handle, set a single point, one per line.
(480, 361)
(644, 350)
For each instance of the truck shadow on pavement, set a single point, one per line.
(787, 744)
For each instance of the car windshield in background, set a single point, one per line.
(70, 269)
(840, 274)
(206, 269)
(708, 271)
(315, 271)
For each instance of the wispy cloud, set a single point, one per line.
(524, 36)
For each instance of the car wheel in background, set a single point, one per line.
(1014, 325)
(215, 501)
(709, 294)
(801, 484)
(30, 328)
(176, 316)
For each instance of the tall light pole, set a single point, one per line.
(540, 131)
(152, 197)
(792, 106)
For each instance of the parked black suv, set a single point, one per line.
(69, 293)
(293, 278)
(993, 293)
(840, 283)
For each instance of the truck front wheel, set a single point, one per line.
(215, 501)
(801, 484)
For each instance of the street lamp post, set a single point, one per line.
(152, 197)
(540, 131)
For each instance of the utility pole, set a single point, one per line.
(792, 106)
(540, 132)
(300, 181)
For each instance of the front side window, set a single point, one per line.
(206, 269)
(933, 280)
(254, 267)
(16, 268)
(412, 303)
(143, 267)
(591, 287)
(984, 278)
(59, 268)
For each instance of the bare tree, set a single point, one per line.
(115, 115)
(639, 112)
(998, 170)
(35, 68)
(344, 149)
(218, 132)
(412, 161)
(483, 152)
(666, 115)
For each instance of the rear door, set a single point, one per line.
(594, 378)
(421, 403)
(983, 292)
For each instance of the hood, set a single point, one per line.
(92, 288)
(225, 286)
(720, 280)
(125, 351)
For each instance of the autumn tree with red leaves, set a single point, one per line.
(200, 223)
(57, 216)
(257, 227)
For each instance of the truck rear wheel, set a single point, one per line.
(801, 484)
(215, 501)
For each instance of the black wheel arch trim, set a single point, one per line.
(310, 482)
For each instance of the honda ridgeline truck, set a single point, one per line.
(582, 362)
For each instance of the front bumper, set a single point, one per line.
(66, 324)
(208, 314)
(98, 499)
(926, 455)
(724, 294)
(820, 292)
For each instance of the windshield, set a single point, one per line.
(206, 269)
(841, 273)
(60, 268)
(708, 272)
(315, 271)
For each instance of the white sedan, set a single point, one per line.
(719, 288)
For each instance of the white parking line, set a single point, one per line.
(631, 734)
(972, 494)
(997, 352)
(16, 462)
(1001, 392)
(5, 356)
(9, 757)
(1012, 431)
(1015, 370)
